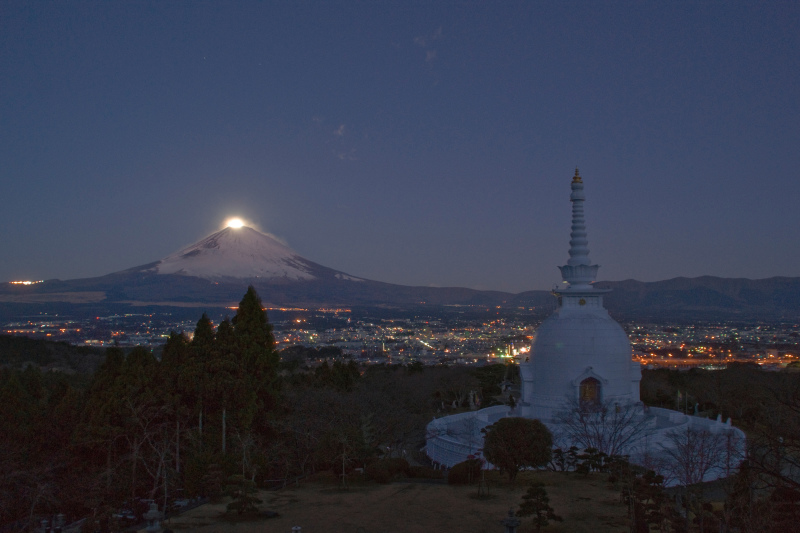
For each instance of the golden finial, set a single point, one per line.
(577, 177)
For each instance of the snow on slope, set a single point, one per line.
(237, 253)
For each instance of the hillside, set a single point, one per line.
(18, 352)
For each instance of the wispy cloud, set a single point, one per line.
(424, 40)
(339, 132)
(427, 41)
(346, 156)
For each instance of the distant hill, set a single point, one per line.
(216, 271)
(19, 352)
(706, 297)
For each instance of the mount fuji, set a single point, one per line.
(244, 253)
(217, 270)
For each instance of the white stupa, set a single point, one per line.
(579, 352)
(580, 367)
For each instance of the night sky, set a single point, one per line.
(419, 143)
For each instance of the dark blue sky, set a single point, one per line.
(424, 143)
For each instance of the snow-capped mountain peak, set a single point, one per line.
(238, 253)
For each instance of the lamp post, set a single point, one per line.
(511, 522)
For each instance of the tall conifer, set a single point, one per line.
(255, 346)
(202, 352)
(203, 333)
(224, 377)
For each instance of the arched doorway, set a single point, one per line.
(590, 392)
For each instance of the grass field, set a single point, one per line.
(586, 504)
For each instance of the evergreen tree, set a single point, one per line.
(110, 369)
(202, 352)
(17, 412)
(203, 333)
(255, 348)
(536, 503)
(138, 375)
(254, 340)
(102, 401)
(33, 383)
(98, 437)
(243, 492)
(177, 380)
(125, 416)
(144, 408)
(226, 391)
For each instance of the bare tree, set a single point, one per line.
(247, 443)
(149, 440)
(158, 459)
(302, 427)
(40, 492)
(694, 453)
(610, 427)
(775, 442)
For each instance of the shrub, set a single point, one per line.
(515, 443)
(378, 472)
(536, 503)
(425, 472)
(384, 470)
(325, 477)
(397, 466)
(464, 473)
(213, 482)
(243, 492)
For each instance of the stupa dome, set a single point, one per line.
(576, 344)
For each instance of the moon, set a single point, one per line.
(234, 223)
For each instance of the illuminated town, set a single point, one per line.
(431, 340)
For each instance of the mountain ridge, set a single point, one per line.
(216, 271)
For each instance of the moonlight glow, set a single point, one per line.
(234, 223)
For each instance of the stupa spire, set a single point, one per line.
(579, 241)
(579, 271)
